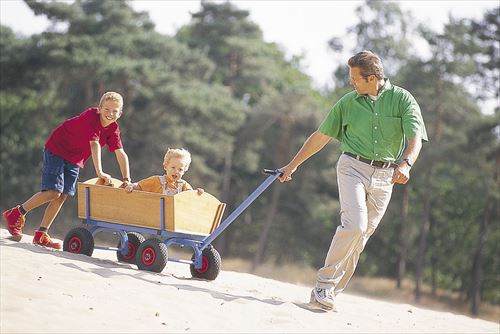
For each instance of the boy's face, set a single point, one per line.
(109, 112)
(175, 168)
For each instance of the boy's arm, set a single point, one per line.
(95, 148)
(122, 159)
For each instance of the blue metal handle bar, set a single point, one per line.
(232, 217)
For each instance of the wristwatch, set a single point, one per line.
(408, 162)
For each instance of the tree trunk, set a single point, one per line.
(221, 242)
(424, 229)
(257, 260)
(477, 273)
(403, 238)
(281, 153)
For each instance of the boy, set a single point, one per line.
(66, 151)
(176, 162)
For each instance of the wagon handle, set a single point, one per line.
(272, 171)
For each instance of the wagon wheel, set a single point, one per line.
(79, 241)
(152, 255)
(211, 264)
(134, 241)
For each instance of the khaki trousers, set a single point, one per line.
(364, 193)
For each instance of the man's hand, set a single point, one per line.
(287, 173)
(401, 174)
(200, 191)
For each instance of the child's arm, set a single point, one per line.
(187, 186)
(122, 159)
(95, 148)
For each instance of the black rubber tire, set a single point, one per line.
(152, 255)
(134, 241)
(211, 265)
(79, 241)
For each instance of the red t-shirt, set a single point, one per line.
(71, 140)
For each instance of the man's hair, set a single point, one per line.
(368, 63)
(111, 96)
(180, 153)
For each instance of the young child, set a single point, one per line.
(66, 151)
(176, 162)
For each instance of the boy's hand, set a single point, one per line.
(125, 184)
(105, 177)
(200, 191)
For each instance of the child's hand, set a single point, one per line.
(129, 187)
(200, 191)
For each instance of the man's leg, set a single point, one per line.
(353, 178)
(377, 201)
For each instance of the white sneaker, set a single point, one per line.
(324, 297)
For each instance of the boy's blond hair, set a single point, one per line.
(111, 96)
(180, 153)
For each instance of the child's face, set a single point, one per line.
(175, 168)
(109, 112)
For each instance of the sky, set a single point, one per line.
(299, 27)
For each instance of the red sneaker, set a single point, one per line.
(43, 239)
(15, 222)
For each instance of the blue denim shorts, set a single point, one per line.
(58, 174)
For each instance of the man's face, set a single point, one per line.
(362, 85)
(109, 112)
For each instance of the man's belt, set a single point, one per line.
(374, 163)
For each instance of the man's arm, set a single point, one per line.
(95, 148)
(122, 159)
(402, 173)
(316, 141)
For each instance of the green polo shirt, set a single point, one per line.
(375, 130)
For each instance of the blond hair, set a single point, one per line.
(368, 63)
(180, 153)
(111, 96)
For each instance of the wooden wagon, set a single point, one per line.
(186, 219)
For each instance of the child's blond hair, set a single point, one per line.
(180, 153)
(111, 96)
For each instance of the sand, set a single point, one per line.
(47, 291)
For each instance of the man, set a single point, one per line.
(377, 124)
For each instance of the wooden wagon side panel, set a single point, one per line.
(186, 212)
(194, 213)
(115, 205)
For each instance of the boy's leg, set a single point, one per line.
(52, 210)
(52, 182)
(70, 177)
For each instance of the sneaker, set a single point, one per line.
(15, 222)
(324, 297)
(43, 239)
